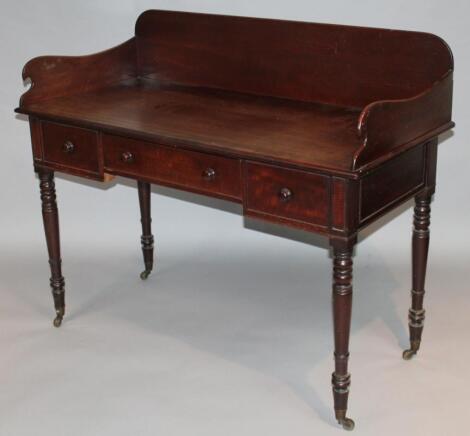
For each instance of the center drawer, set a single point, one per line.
(194, 171)
(286, 194)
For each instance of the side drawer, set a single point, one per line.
(194, 171)
(287, 194)
(70, 146)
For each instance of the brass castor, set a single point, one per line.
(408, 354)
(144, 274)
(60, 316)
(347, 423)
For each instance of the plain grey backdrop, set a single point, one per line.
(232, 334)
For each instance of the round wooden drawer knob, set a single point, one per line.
(208, 174)
(285, 194)
(68, 147)
(127, 157)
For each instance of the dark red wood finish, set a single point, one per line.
(332, 64)
(315, 126)
(311, 135)
(146, 221)
(72, 147)
(50, 217)
(77, 74)
(393, 124)
(292, 194)
(398, 178)
(169, 166)
(421, 222)
(342, 309)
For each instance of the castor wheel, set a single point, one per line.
(408, 354)
(414, 347)
(347, 423)
(58, 319)
(144, 274)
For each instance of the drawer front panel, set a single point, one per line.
(72, 147)
(192, 170)
(286, 193)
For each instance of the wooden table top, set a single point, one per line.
(311, 135)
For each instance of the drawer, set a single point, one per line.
(72, 147)
(285, 193)
(190, 170)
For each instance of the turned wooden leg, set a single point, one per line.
(421, 221)
(146, 220)
(51, 227)
(342, 305)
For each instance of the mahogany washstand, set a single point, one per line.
(320, 127)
